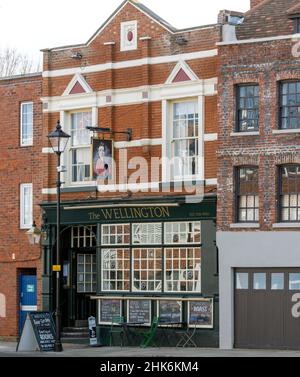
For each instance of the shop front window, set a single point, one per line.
(183, 270)
(147, 234)
(115, 269)
(116, 234)
(182, 233)
(147, 270)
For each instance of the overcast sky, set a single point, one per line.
(35, 24)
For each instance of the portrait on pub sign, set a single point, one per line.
(102, 159)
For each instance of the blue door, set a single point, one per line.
(28, 297)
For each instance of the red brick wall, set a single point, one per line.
(18, 165)
(266, 64)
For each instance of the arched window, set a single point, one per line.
(289, 192)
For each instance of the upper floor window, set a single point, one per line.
(26, 206)
(81, 146)
(185, 140)
(297, 25)
(26, 124)
(289, 192)
(290, 105)
(247, 195)
(247, 108)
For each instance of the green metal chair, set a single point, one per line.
(149, 335)
(116, 328)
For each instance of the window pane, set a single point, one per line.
(290, 101)
(242, 279)
(248, 108)
(277, 281)
(294, 282)
(26, 123)
(259, 281)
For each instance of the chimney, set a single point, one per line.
(253, 3)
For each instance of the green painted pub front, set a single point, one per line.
(136, 260)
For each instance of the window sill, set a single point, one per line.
(90, 188)
(245, 226)
(286, 225)
(291, 131)
(256, 133)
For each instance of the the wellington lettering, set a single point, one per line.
(130, 213)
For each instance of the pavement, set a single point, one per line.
(8, 349)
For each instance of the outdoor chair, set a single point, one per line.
(149, 336)
(116, 328)
(186, 338)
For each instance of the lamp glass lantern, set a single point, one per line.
(58, 139)
(34, 235)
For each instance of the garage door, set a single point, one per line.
(267, 308)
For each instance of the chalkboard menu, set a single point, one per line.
(139, 311)
(201, 313)
(170, 311)
(109, 308)
(43, 327)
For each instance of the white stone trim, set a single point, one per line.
(109, 43)
(211, 181)
(131, 96)
(131, 63)
(82, 82)
(129, 186)
(49, 191)
(286, 225)
(245, 226)
(47, 151)
(260, 40)
(255, 133)
(290, 131)
(137, 143)
(186, 68)
(123, 26)
(210, 137)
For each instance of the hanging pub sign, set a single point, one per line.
(102, 160)
(200, 313)
(38, 333)
(108, 309)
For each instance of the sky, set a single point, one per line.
(32, 25)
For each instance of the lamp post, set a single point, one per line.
(58, 140)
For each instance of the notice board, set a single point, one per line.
(200, 313)
(139, 311)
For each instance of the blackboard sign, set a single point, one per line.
(170, 311)
(109, 308)
(201, 313)
(139, 311)
(38, 333)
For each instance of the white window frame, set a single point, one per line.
(23, 205)
(180, 270)
(147, 234)
(179, 241)
(167, 131)
(115, 269)
(65, 120)
(88, 239)
(29, 141)
(140, 270)
(122, 235)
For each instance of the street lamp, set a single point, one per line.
(58, 140)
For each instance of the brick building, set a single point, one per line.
(258, 178)
(21, 182)
(138, 234)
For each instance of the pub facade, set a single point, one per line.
(138, 203)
